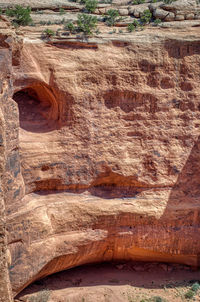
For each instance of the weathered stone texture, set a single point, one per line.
(109, 139)
(5, 94)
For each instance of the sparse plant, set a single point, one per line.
(189, 294)
(97, 32)
(157, 22)
(43, 22)
(135, 2)
(90, 5)
(195, 287)
(112, 16)
(158, 299)
(86, 24)
(21, 15)
(168, 1)
(106, 1)
(61, 11)
(48, 33)
(131, 27)
(146, 16)
(70, 27)
(39, 12)
(49, 22)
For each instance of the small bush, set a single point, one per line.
(195, 287)
(21, 16)
(86, 24)
(106, 1)
(157, 22)
(146, 16)
(112, 17)
(90, 5)
(135, 2)
(48, 33)
(189, 294)
(43, 22)
(131, 27)
(168, 1)
(61, 11)
(70, 27)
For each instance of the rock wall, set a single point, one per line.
(109, 148)
(5, 153)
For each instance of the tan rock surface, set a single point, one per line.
(109, 151)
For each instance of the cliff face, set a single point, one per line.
(109, 152)
(8, 150)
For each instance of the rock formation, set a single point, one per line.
(8, 140)
(106, 165)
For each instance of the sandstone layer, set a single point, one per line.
(7, 142)
(109, 153)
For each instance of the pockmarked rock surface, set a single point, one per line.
(8, 141)
(109, 153)
(99, 150)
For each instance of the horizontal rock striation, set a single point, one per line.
(109, 153)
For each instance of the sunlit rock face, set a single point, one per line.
(10, 177)
(106, 166)
(109, 153)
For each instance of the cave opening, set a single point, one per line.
(112, 281)
(38, 108)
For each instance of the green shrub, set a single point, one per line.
(48, 33)
(136, 23)
(157, 22)
(168, 1)
(43, 22)
(61, 11)
(106, 1)
(131, 27)
(189, 294)
(86, 24)
(90, 5)
(195, 287)
(69, 26)
(20, 15)
(146, 16)
(135, 2)
(112, 16)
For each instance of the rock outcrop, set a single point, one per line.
(8, 141)
(99, 151)
(109, 152)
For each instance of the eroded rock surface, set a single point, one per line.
(109, 152)
(100, 149)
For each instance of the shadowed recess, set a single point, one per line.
(38, 108)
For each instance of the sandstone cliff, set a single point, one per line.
(108, 144)
(106, 165)
(6, 153)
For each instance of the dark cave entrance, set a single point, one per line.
(38, 109)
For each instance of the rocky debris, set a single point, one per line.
(178, 10)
